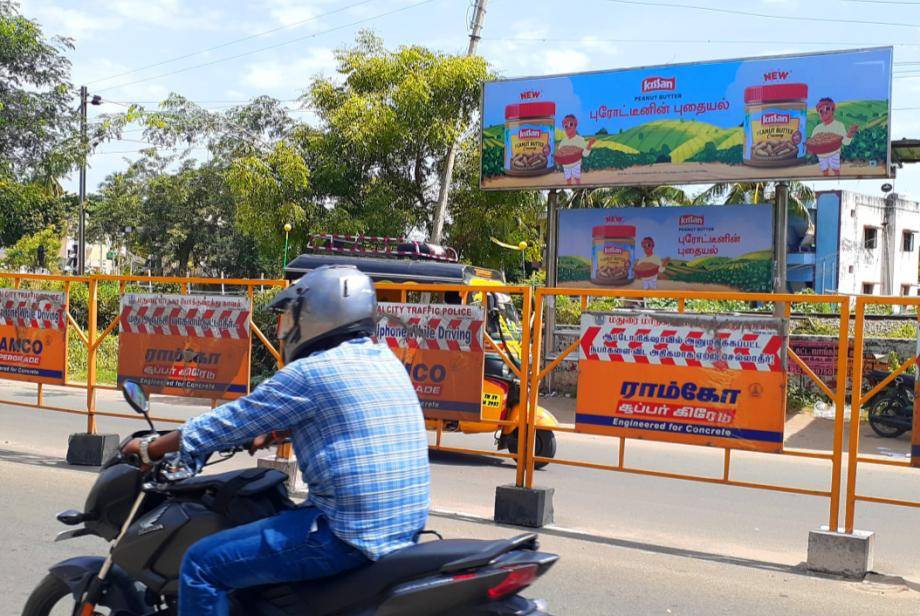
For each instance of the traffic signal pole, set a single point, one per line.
(81, 234)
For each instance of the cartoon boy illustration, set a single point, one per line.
(830, 161)
(572, 148)
(650, 266)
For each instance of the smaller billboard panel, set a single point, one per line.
(33, 336)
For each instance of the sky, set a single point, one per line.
(288, 42)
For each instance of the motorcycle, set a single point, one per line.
(151, 516)
(891, 411)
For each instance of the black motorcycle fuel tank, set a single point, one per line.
(110, 499)
(152, 549)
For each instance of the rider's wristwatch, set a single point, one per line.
(144, 445)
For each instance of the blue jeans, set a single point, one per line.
(294, 545)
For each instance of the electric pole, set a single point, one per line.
(81, 233)
(440, 211)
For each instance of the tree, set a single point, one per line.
(736, 193)
(477, 215)
(36, 251)
(38, 121)
(26, 209)
(635, 196)
(387, 123)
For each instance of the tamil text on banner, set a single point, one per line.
(185, 345)
(807, 116)
(696, 379)
(441, 347)
(712, 248)
(33, 336)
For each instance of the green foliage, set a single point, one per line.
(38, 138)
(869, 145)
(570, 269)
(711, 154)
(27, 251)
(799, 397)
(755, 275)
(26, 209)
(106, 359)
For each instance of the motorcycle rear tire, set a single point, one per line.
(46, 595)
(885, 406)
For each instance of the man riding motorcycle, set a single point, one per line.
(357, 429)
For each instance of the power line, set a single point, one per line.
(233, 42)
(686, 41)
(902, 2)
(275, 46)
(694, 7)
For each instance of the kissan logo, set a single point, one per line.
(771, 119)
(691, 219)
(652, 84)
(529, 133)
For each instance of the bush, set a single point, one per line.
(106, 359)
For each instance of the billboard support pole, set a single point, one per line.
(780, 216)
(552, 253)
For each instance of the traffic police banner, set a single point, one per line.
(696, 379)
(442, 349)
(185, 345)
(33, 336)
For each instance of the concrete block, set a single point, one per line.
(532, 507)
(849, 555)
(295, 485)
(85, 449)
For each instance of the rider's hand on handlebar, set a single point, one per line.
(265, 441)
(133, 448)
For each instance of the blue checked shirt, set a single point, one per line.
(359, 435)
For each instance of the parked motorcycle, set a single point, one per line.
(891, 411)
(151, 517)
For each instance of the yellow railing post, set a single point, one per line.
(531, 370)
(91, 354)
(840, 402)
(855, 408)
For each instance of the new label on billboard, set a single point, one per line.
(814, 116)
(713, 248)
(695, 379)
(185, 345)
(33, 336)
(441, 347)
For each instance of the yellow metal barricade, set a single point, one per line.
(854, 458)
(683, 300)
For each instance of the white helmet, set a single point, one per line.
(329, 302)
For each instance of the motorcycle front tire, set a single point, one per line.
(885, 406)
(46, 596)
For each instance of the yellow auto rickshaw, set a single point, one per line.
(399, 260)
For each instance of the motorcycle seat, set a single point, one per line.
(332, 595)
(248, 481)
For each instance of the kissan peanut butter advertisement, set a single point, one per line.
(816, 116)
(710, 248)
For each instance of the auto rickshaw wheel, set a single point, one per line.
(544, 445)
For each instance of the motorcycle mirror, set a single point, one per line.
(135, 396)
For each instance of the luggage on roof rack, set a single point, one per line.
(379, 246)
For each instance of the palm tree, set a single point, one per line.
(737, 193)
(634, 196)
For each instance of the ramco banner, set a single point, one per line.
(33, 336)
(185, 345)
(442, 349)
(711, 248)
(696, 379)
(815, 116)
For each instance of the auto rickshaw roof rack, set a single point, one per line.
(379, 247)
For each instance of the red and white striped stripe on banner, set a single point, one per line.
(431, 332)
(170, 320)
(41, 314)
(682, 346)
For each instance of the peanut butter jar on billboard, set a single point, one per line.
(441, 346)
(186, 345)
(33, 336)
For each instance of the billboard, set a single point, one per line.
(185, 345)
(441, 347)
(695, 379)
(814, 116)
(33, 336)
(713, 248)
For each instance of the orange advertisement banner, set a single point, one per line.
(33, 336)
(184, 345)
(441, 348)
(694, 379)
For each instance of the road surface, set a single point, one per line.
(736, 522)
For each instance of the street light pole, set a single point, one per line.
(81, 234)
(287, 232)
